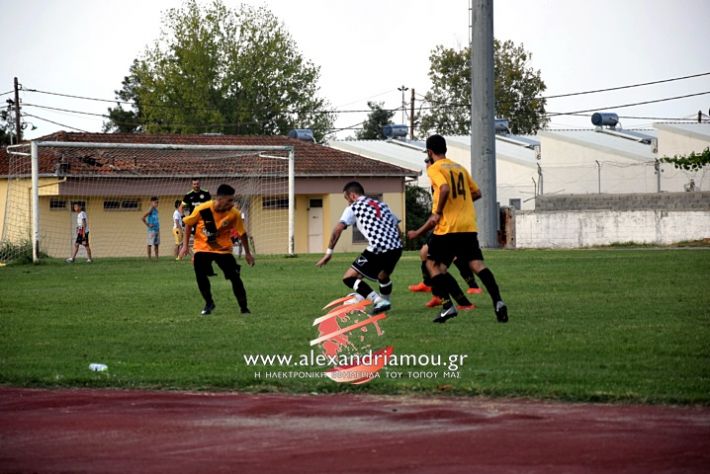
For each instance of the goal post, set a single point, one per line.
(116, 181)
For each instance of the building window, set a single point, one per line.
(125, 205)
(358, 238)
(57, 204)
(275, 203)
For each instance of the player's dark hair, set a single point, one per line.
(354, 187)
(437, 144)
(225, 190)
(196, 178)
(177, 203)
(154, 198)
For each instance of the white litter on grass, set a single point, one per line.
(96, 367)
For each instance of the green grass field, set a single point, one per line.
(585, 325)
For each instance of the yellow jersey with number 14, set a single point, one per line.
(458, 215)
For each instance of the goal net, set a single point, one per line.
(114, 183)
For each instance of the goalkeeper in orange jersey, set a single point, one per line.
(213, 222)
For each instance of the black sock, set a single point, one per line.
(455, 291)
(360, 287)
(425, 274)
(489, 282)
(239, 292)
(466, 273)
(386, 288)
(439, 287)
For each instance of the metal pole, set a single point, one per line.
(291, 201)
(657, 165)
(403, 89)
(599, 177)
(34, 151)
(411, 117)
(483, 144)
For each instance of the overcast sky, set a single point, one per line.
(368, 48)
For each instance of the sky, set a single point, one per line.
(367, 49)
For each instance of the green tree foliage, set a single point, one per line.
(215, 69)
(376, 120)
(418, 205)
(691, 162)
(518, 90)
(7, 128)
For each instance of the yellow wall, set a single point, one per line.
(115, 233)
(301, 225)
(3, 203)
(15, 204)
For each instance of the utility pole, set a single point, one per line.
(411, 117)
(483, 143)
(403, 89)
(18, 127)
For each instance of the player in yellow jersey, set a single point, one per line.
(213, 222)
(455, 230)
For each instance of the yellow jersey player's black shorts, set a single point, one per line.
(460, 245)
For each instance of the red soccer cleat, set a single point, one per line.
(474, 291)
(420, 288)
(466, 308)
(434, 302)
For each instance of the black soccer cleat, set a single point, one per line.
(501, 312)
(446, 314)
(246, 311)
(208, 309)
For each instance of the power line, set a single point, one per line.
(53, 122)
(621, 106)
(6, 93)
(78, 96)
(625, 87)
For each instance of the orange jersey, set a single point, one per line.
(225, 223)
(458, 215)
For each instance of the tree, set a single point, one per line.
(376, 120)
(7, 128)
(517, 90)
(691, 162)
(215, 69)
(418, 205)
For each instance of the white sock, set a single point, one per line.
(374, 297)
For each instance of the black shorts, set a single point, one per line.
(371, 264)
(462, 245)
(82, 239)
(225, 261)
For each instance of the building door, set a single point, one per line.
(315, 225)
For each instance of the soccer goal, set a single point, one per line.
(50, 182)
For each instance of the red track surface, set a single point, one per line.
(137, 431)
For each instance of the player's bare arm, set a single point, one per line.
(335, 236)
(185, 241)
(476, 195)
(244, 239)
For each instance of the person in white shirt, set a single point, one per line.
(82, 234)
(178, 227)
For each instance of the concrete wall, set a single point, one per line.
(582, 221)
